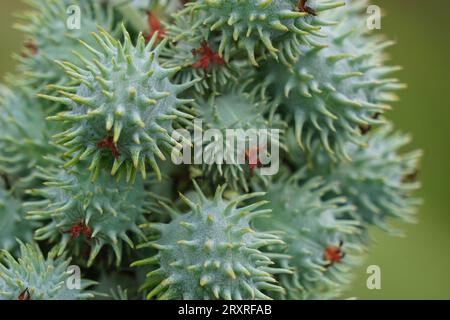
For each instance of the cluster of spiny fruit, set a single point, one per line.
(86, 135)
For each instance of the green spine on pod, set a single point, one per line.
(33, 277)
(212, 252)
(124, 109)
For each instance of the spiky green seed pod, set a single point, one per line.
(124, 108)
(32, 277)
(12, 220)
(52, 34)
(260, 26)
(313, 227)
(24, 136)
(106, 212)
(379, 180)
(335, 90)
(237, 108)
(212, 252)
(193, 48)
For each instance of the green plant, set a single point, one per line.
(102, 212)
(309, 222)
(91, 110)
(12, 220)
(34, 277)
(212, 252)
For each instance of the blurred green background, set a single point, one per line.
(418, 265)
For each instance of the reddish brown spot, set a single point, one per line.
(32, 48)
(80, 228)
(108, 143)
(207, 56)
(334, 254)
(155, 26)
(412, 177)
(252, 156)
(302, 7)
(365, 129)
(87, 232)
(24, 295)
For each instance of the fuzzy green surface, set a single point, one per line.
(12, 220)
(211, 252)
(135, 13)
(112, 210)
(50, 37)
(333, 91)
(262, 26)
(24, 135)
(187, 38)
(241, 108)
(322, 81)
(124, 96)
(380, 180)
(43, 278)
(309, 223)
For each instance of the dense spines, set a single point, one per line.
(260, 26)
(321, 72)
(311, 225)
(106, 212)
(12, 220)
(32, 277)
(196, 51)
(380, 179)
(244, 108)
(24, 135)
(124, 108)
(212, 252)
(49, 37)
(333, 92)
